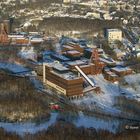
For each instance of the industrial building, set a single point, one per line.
(65, 81)
(76, 62)
(69, 75)
(69, 70)
(9, 38)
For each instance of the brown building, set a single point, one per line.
(63, 80)
(111, 76)
(76, 47)
(121, 71)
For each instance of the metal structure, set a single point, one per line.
(85, 76)
(96, 60)
(94, 57)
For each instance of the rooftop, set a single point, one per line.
(68, 75)
(60, 67)
(114, 30)
(120, 68)
(77, 62)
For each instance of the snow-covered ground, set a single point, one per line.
(32, 128)
(105, 100)
(132, 83)
(82, 121)
(97, 123)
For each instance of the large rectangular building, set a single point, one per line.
(63, 80)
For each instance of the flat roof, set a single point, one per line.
(68, 47)
(16, 36)
(73, 52)
(77, 62)
(67, 75)
(59, 57)
(60, 67)
(120, 69)
(107, 61)
(114, 30)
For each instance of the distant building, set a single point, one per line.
(113, 34)
(71, 1)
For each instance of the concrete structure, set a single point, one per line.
(113, 34)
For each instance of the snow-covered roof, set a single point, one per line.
(13, 68)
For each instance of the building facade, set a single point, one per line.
(63, 81)
(113, 34)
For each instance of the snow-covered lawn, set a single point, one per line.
(97, 123)
(132, 83)
(105, 100)
(29, 127)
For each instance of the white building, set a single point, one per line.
(113, 34)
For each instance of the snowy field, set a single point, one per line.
(105, 100)
(132, 83)
(32, 128)
(82, 121)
